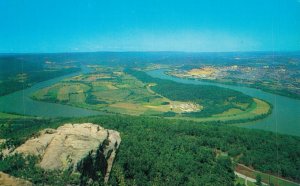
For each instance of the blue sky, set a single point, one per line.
(144, 25)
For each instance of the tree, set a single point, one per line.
(258, 180)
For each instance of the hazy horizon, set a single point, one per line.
(186, 52)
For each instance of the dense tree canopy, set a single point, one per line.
(156, 151)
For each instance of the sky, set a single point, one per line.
(29, 26)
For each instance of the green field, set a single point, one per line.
(114, 90)
(241, 181)
(266, 178)
(109, 91)
(257, 109)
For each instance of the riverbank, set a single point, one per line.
(284, 119)
(280, 92)
(20, 102)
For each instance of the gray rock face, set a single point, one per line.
(68, 145)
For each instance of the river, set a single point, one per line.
(20, 102)
(284, 119)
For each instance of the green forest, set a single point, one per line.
(214, 99)
(156, 151)
(19, 72)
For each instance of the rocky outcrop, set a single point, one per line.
(68, 146)
(7, 180)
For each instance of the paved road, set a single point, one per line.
(247, 178)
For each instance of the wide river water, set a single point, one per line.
(285, 118)
(21, 103)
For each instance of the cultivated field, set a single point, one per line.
(113, 91)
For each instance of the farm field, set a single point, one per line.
(258, 108)
(113, 90)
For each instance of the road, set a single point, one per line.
(246, 178)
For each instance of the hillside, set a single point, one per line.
(86, 150)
